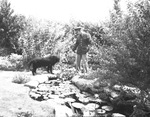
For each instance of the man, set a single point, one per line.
(83, 40)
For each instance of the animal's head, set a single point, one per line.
(56, 59)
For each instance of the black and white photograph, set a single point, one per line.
(74, 58)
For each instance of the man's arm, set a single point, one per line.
(75, 45)
(89, 39)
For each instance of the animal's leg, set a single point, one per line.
(50, 68)
(34, 70)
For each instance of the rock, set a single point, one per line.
(118, 115)
(68, 93)
(59, 101)
(92, 106)
(45, 97)
(100, 111)
(63, 111)
(69, 100)
(129, 96)
(99, 84)
(57, 71)
(32, 84)
(107, 108)
(114, 94)
(95, 100)
(60, 110)
(82, 84)
(84, 100)
(35, 96)
(56, 83)
(56, 101)
(43, 88)
(104, 96)
(107, 90)
(51, 96)
(40, 78)
(96, 95)
(90, 86)
(75, 78)
(117, 87)
(52, 77)
(78, 105)
(96, 85)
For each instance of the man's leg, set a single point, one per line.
(78, 61)
(85, 63)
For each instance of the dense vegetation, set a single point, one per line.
(121, 46)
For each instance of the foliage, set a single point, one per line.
(37, 40)
(5, 64)
(16, 61)
(10, 26)
(130, 43)
(21, 78)
(11, 62)
(24, 114)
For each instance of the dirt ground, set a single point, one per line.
(15, 101)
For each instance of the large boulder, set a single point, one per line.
(87, 85)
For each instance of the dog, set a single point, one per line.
(47, 62)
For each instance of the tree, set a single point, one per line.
(131, 45)
(10, 26)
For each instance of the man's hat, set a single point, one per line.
(77, 28)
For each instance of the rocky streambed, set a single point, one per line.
(85, 97)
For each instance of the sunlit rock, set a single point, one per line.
(32, 84)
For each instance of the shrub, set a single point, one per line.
(21, 78)
(5, 64)
(11, 62)
(24, 114)
(16, 61)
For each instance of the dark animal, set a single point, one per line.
(47, 62)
